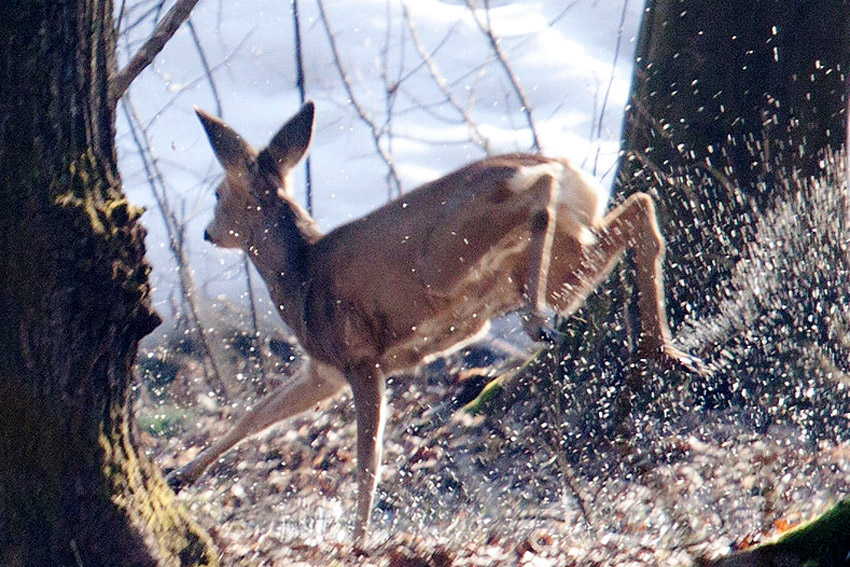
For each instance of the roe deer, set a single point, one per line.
(420, 275)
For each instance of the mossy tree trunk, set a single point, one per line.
(74, 302)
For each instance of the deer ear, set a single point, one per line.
(290, 144)
(229, 147)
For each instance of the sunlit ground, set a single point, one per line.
(700, 466)
(492, 491)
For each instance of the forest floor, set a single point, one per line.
(494, 490)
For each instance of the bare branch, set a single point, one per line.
(487, 30)
(301, 83)
(136, 14)
(208, 72)
(391, 90)
(477, 137)
(165, 30)
(610, 81)
(120, 18)
(176, 239)
(377, 134)
(256, 355)
(177, 93)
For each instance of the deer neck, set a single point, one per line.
(278, 248)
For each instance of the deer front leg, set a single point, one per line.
(632, 225)
(306, 389)
(368, 389)
(543, 226)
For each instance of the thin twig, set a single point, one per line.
(176, 236)
(562, 13)
(178, 93)
(255, 324)
(391, 89)
(446, 36)
(477, 137)
(377, 134)
(610, 82)
(120, 19)
(556, 435)
(208, 72)
(76, 551)
(487, 29)
(301, 83)
(146, 14)
(165, 30)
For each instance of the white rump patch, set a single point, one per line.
(525, 177)
(579, 194)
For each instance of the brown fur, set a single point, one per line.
(421, 274)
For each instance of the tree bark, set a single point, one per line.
(74, 302)
(754, 90)
(732, 103)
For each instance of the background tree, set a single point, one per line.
(730, 104)
(734, 109)
(74, 302)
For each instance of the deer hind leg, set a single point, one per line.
(368, 389)
(578, 270)
(307, 388)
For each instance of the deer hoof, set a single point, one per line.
(539, 330)
(677, 359)
(176, 481)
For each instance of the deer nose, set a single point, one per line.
(207, 236)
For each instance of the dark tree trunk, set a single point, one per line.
(731, 104)
(74, 302)
(755, 90)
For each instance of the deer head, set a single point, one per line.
(256, 186)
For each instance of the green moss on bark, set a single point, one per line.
(74, 302)
(823, 542)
